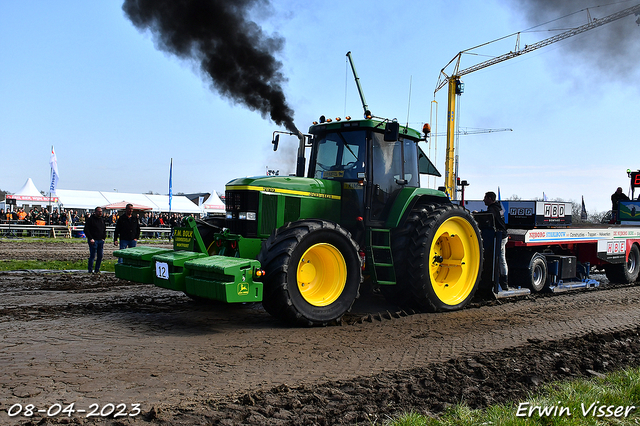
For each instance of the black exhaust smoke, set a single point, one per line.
(231, 50)
(611, 48)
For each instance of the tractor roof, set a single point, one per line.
(349, 124)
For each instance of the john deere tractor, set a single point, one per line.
(302, 245)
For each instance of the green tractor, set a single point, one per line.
(302, 245)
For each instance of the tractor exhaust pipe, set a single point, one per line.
(301, 160)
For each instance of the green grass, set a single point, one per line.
(15, 265)
(620, 389)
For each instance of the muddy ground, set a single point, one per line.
(73, 338)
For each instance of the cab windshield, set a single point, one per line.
(340, 155)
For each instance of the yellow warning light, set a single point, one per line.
(259, 273)
(338, 119)
(315, 123)
(348, 117)
(329, 120)
(426, 129)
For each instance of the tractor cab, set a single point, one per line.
(373, 161)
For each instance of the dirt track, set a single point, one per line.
(75, 338)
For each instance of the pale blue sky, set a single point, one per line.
(77, 75)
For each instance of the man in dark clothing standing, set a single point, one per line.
(96, 232)
(495, 209)
(128, 229)
(616, 197)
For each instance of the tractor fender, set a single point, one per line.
(408, 198)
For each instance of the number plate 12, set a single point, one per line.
(162, 270)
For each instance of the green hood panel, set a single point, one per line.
(288, 185)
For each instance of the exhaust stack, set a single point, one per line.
(301, 160)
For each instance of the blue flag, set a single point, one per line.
(53, 162)
(170, 184)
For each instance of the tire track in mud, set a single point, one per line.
(155, 341)
(75, 337)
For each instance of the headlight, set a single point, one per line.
(229, 215)
(247, 215)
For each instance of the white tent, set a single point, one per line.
(30, 196)
(75, 199)
(129, 197)
(179, 204)
(29, 189)
(213, 205)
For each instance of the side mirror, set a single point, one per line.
(275, 142)
(391, 131)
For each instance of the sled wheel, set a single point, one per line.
(533, 273)
(444, 259)
(312, 272)
(625, 272)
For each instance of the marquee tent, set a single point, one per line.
(179, 204)
(214, 204)
(76, 199)
(30, 196)
(123, 204)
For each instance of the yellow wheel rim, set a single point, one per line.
(321, 274)
(454, 261)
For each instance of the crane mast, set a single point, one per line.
(455, 85)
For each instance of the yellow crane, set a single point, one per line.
(456, 87)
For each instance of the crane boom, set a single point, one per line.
(531, 47)
(455, 85)
(472, 131)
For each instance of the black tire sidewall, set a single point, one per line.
(537, 259)
(352, 284)
(632, 276)
(426, 286)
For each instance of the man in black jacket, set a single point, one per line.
(96, 231)
(616, 197)
(495, 208)
(128, 229)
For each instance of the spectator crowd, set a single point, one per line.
(69, 217)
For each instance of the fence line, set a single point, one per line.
(73, 231)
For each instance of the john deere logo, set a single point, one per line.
(243, 289)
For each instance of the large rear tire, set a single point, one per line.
(443, 259)
(627, 272)
(313, 272)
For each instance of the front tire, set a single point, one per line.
(444, 259)
(313, 272)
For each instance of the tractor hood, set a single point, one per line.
(288, 185)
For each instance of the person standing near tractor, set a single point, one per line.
(127, 228)
(495, 208)
(96, 232)
(616, 197)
